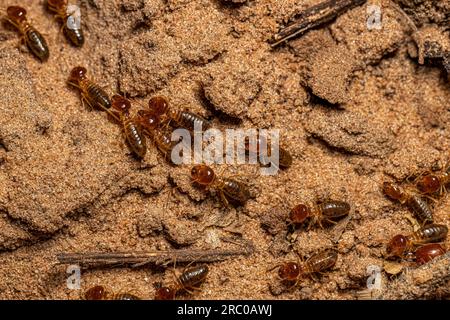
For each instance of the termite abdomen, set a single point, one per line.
(193, 276)
(334, 209)
(235, 191)
(37, 44)
(189, 120)
(430, 233)
(420, 207)
(75, 36)
(135, 138)
(98, 96)
(322, 261)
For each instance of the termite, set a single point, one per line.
(294, 271)
(100, 293)
(188, 281)
(160, 137)
(324, 212)
(284, 157)
(183, 119)
(17, 16)
(90, 92)
(158, 105)
(428, 252)
(120, 108)
(435, 182)
(192, 277)
(400, 244)
(188, 120)
(163, 142)
(74, 34)
(148, 120)
(418, 205)
(229, 190)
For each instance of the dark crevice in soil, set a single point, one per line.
(222, 116)
(315, 139)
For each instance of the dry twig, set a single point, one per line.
(314, 17)
(159, 258)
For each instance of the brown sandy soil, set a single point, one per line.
(353, 107)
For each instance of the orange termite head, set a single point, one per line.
(165, 293)
(16, 13)
(147, 119)
(77, 74)
(120, 104)
(397, 246)
(429, 184)
(393, 191)
(158, 105)
(57, 5)
(299, 213)
(95, 293)
(428, 252)
(289, 271)
(202, 174)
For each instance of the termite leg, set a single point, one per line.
(110, 113)
(224, 199)
(83, 99)
(60, 32)
(312, 221)
(273, 268)
(22, 43)
(331, 221)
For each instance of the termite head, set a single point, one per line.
(289, 271)
(397, 246)
(429, 184)
(393, 191)
(202, 174)
(158, 105)
(95, 293)
(165, 293)
(120, 104)
(428, 252)
(147, 119)
(57, 5)
(77, 74)
(16, 14)
(299, 213)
